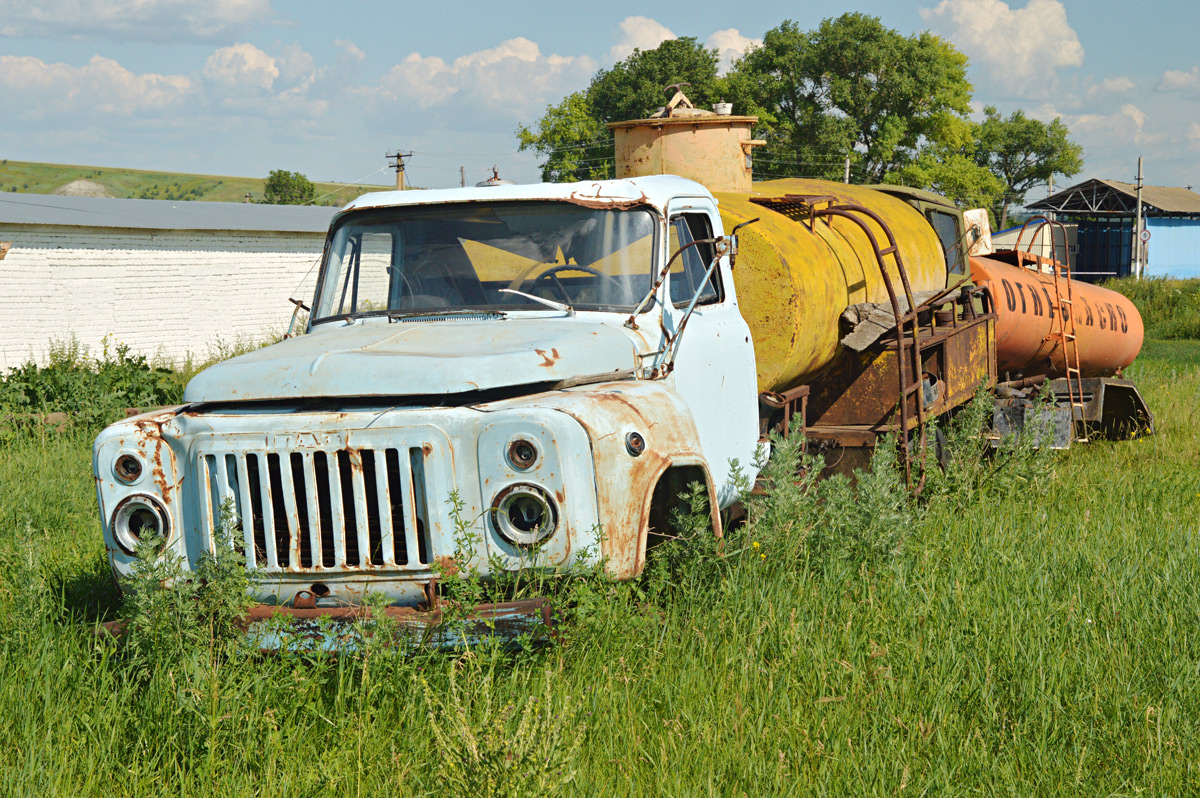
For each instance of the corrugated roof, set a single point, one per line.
(1112, 197)
(1168, 199)
(47, 209)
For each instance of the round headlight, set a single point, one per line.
(522, 454)
(139, 518)
(128, 468)
(524, 514)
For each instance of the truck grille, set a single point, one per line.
(314, 510)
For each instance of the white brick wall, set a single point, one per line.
(167, 293)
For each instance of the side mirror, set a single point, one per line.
(732, 240)
(979, 232)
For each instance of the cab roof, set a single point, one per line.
(654, 191)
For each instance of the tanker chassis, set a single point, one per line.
(501, 377)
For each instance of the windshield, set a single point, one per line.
(440, 258)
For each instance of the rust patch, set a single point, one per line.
(548, 360)
(448, 565)
(600, 203)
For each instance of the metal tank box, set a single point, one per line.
(710, 148)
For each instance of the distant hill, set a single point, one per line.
(45, 178)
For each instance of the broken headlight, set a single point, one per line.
(140, 518)
(524, 514)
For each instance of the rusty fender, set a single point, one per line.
(625, 482)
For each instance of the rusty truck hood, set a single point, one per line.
(377, 358)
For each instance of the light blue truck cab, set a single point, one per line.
(519, 350)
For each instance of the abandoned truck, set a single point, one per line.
(546, 368)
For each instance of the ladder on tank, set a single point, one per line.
(1065, 335)
(909, 373)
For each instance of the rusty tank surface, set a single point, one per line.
(1108, 327)
(794, 278)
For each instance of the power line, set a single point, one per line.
(347, 185)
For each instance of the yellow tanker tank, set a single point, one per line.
(794, 279)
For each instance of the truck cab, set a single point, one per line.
(490, 378)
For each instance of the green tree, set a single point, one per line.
(954, 175)
(572, 135)
(1023, 153)
(575, 144)
(852, 87)
(287, 188)
(949, 167)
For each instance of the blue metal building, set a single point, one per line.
(1106, 210)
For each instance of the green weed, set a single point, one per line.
(1170, 308)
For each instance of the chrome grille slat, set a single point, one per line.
(245, 511)
(267, 502)
(290, 510)
(333, 476)
(361, 516)
(314, 513)
(387, 542)
(409, 506)
(206, 499)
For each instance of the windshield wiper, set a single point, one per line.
(550, 303)
(435, 313)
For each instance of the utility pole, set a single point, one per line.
(462, 176)
(400, 158)
(1137, 227)
(847, 179)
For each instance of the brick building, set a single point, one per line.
(166, 278)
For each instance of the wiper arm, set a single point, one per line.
(550, 303)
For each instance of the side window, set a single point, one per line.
(946, 227)
(687, 272)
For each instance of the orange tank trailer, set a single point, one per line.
(1108, 328)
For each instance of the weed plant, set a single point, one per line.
(74, 389)
(1170, 308)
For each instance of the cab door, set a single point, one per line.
(714, 368)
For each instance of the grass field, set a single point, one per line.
(1029, 628)
(44, 178)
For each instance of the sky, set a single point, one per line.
(241, 87)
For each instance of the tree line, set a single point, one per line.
(897, 106)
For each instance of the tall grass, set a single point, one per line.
(1027, 627)
(1170, 308)
(78, 389)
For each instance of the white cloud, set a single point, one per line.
(147, 20)
(1021, 48)
(242, 68)
(638, 33)
(1127, 124)
(350, 49)
(295, 65)
(730, 45)
(1173, 80)
(99, 86)
(514, 77)
(1119, 85)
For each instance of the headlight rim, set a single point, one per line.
(125, 478)
(520, 463)
(503, 525)
(119, 522)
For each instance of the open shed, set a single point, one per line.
(1106, 212)
(165, 278)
